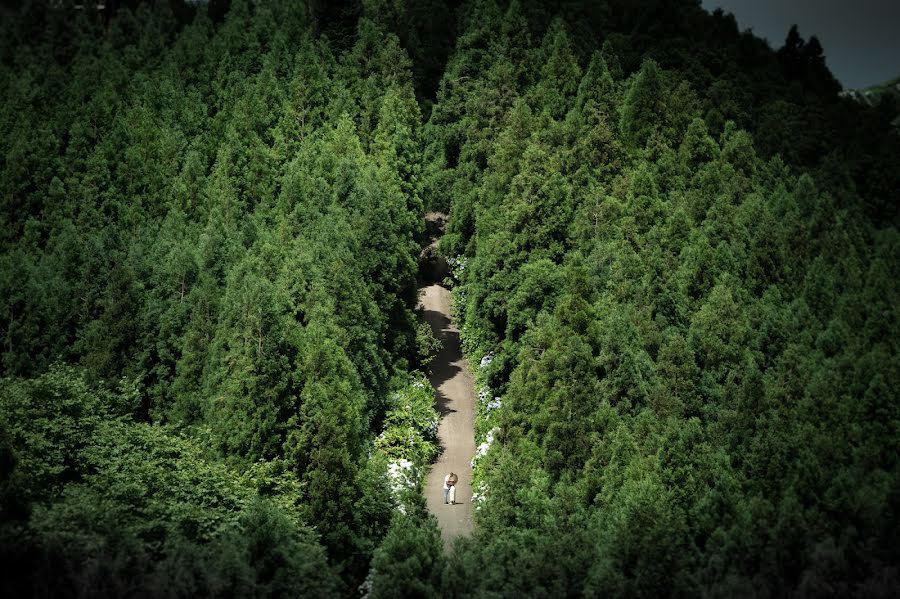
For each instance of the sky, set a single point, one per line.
(861, 38)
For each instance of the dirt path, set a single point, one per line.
(455, 395)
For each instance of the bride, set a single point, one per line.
(451, 483)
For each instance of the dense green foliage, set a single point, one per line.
(674, 257)
(693, 344)
(116, 507)
(217, 225)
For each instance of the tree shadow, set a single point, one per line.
(441, 404)
(443, 367)
(433, 268)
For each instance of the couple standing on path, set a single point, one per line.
(450, 488)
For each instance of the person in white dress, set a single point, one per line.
(451, 491)
(447, 488)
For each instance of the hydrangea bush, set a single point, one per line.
(410, 426)
(409, 437)
(457, 266)
(486, 418)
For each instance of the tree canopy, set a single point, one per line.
(674, 256)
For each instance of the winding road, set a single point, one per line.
(455, 397)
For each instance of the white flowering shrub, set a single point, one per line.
(483, 447)
(404, 475)
(483, 394)
(479, 494)
(486, 406)
(457, 269)
(411, 423)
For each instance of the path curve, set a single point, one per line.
(454, 392)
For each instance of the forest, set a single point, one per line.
(674, 254)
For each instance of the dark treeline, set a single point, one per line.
(674, 246)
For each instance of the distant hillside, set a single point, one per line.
(871, 96)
